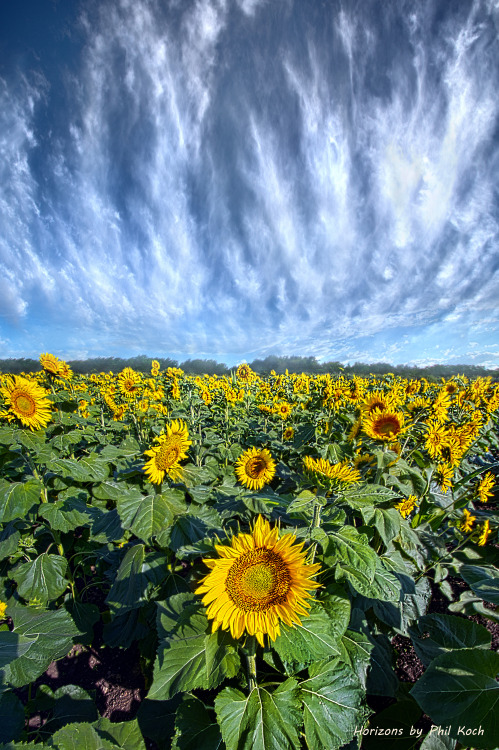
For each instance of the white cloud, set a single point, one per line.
(184, 211)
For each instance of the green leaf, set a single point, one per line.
(181, 662)
(190, 527)
(78, 736)
(137, 575)
(436, 634)
(17, 499)
(11, 717)
(354, 559)
(156, 721)
(302, 503)
(52, 633)
(434, 741)
(144, 516)
(90, 468)
(332, 701)
(9, 538)
(109, 490)
(316, 638)
(72, 704)
(382, 679)
(128, 585)
(484, 582)
(370, 494)
(125, 734)
(356, 653)
(262, 720)
(394, 725)
(67, 515)
(196, 730)
(106, 526)
(41, 579)
(222, 659)
(387, 521)
(459, 689)
(12, 646)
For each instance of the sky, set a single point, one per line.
(230, 179)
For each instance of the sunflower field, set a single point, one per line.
(261, 547)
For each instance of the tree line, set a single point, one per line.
(292, 364)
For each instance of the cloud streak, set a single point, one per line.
(247, 177)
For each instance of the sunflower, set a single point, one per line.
(485, 532)
(322, 469)
(129, 383)
(50, 363)
(165, 457)
(468, 521)
(384, 424)
(245, 373)
(444, 476)
(283, 409)
(288, 433)
(407, 506)
(27, 401)
(257, 581)
(3, 608)
(376, 400)
(255, 468)
(484, 489)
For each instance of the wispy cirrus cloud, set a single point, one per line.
(235, 176)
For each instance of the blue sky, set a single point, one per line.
(236, 178)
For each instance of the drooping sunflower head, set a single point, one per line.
(27, 401)
(50, 363)
(385, 425)
(257, 581)
(336, 474)
(255, 468)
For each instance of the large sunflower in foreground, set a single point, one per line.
(384, 424)
(257, 581)
(255, 468)
(27, 401)
(165, 457)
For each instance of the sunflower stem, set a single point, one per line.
(250, 654)
(316, 522)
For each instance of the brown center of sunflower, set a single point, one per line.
(257, 580)
(167, 456)
(256, 467)
(23, 403)
(387, 426)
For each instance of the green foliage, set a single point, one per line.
(89, 545)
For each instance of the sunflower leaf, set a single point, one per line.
(181, 663)
(332, 701)
(195, 728)
(262, 720)
(52, 633)
(144, 516)
(459, 690)
(16, 499)
(316, 638)
(42, 579)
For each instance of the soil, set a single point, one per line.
(114, 678)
